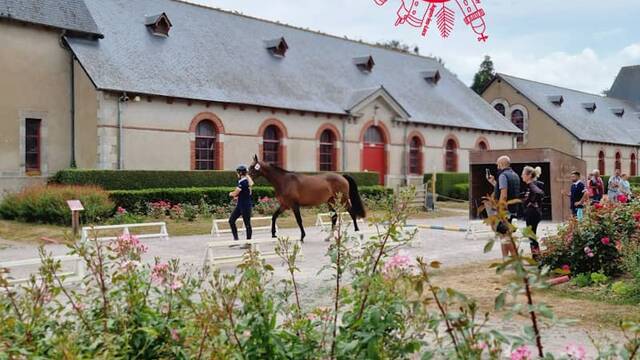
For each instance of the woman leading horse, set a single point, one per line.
(297, 190)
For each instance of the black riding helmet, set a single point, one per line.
(241, 169)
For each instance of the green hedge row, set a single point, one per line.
(129, 199)
(446, 183)
(152, 179)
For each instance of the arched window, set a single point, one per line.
(601, 164)
(451, 156)
(206, 145)
(328, 151)
(618, 163)
(415, 156)
(500, 108)
(632, 167)
(271, 140)
(373, 136)
(517, 118)
(482, 145)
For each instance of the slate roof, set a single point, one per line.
(627, 84)
(601, 125)
(220, 56)
(61, 14)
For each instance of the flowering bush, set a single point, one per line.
(158, 209)
(266, 205)
(596, 243)
(390, 309)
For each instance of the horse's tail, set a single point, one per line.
(354, 196)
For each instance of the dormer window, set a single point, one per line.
(556, 99)
(590, 106)
(365, 63)
(277, 47)
(158, 24)
(431, 76)
(618, 111)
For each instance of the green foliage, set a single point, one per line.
(157, 179)
(461, 191)
(447, 184)
(218, 196)
(484, 75)
(596, 243)
(47, 204)
(599, 278)
(621, 288)
(582, 280)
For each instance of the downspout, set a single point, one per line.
(122, 99)
(582, 150)
(73, 113)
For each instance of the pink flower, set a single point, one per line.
(521, 353)
(176, 285)
(637, 216)
(587, 249)
(174, 335)
(575, 352)
(566, 268)
(590, 255)
(128, 245)
(605, 241)
(400, 261)
(623, 198)
(79, 306)
(121, 210)
(480, 346)
(618, 245)
(597, 206)
(159, 273)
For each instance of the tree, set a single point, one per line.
(484, 75)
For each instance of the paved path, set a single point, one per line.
(450, 248)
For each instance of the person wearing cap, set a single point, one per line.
(242, 194)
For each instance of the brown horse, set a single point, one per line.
(296, 190)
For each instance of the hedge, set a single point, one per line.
(460, 191)
(157, 179)
(446, 183)
(130, 199)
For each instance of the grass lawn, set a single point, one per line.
(464, 205)
(482, 283)
(18, 231)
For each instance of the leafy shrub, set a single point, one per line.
(156, 179)
(460, 191)
(595, 244)
(191, 212)
(446, 183)
(266, 206)
(599, 278)
(582, 280)
(621, 288)
(218, 196)
(122, 216)
(47, 204)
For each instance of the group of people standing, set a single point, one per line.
(618, 185)
(507, 187)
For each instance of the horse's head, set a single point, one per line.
(255, 169)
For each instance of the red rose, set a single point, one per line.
(566, 268)
(605, 241)
(597, 206)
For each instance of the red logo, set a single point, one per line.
(420, 13)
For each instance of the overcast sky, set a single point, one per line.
(579, 44)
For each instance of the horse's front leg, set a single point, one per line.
(273, 220)
(296, 212)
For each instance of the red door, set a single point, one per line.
(373, 154)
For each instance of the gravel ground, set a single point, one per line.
(449, 247)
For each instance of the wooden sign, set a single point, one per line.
(75, 205)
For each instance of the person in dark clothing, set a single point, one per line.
(242, 194)
(532, 202)
(506, 188)
(578, 195)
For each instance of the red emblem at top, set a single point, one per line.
(419, 14)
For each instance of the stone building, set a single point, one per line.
(602, 130)
(164, 84)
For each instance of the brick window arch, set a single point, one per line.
(517, 118)
(415, 156)
(327, 137)
(633, 171)
(451, 156)
(207, 146)
(601, 162)
(273, 147)
(618, 163)
(482, 144)
(206, 136)
(500, 108)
